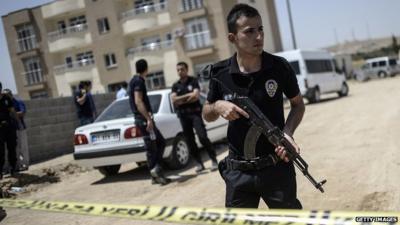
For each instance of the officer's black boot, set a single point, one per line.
(158, 176)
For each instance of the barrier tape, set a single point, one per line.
(209, 215)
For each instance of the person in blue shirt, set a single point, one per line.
(84, 103)
(8, 133)
(19, 107)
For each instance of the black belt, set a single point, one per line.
(253, 164)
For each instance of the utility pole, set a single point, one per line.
(336, 36)
(291, 24)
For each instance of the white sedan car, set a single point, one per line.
(113, 138)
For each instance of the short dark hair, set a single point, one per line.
(141, 66)
(8, 91)
(183, 64)
(236, 12)
(81, 84)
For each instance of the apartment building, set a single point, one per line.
(54, 46)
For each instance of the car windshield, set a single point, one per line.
(121, 109)
(392, 62)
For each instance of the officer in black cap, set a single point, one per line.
(255, 168)
(8, 132)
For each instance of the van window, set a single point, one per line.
(382, 63)
(318, 66)
(295, 66)
(374, 64)
(392, 62)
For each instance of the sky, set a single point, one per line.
(317, 24)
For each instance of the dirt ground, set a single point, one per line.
(353, 142)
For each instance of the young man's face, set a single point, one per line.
(182, 71)
(249, 38)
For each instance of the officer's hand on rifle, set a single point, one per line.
(281, 152)
(228, 110)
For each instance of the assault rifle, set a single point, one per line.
(274, 134)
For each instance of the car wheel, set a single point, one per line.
(382, 74)
(109, 170)
(316, 96)
(344, 91)
(180, 154)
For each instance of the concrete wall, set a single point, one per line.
(51, 124)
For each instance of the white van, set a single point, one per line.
(316, 73)
(381, 67)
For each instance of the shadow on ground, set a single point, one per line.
(142, 173)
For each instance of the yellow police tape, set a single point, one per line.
(209, 215)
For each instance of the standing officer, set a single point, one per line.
(22, 139)
(254, 168)
(8, 132)
(84, 104)
(141, 108)
(185, 97)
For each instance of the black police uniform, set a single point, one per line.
(8, 133)
(155, 149)
(190, 117)
(85, 111)
(266, 177)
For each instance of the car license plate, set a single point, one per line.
(106, 137)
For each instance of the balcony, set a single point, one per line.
(33, 77)
(147, 17)
(70, 37)
(61, 7)
(26, 44)
(76, 71)
(198, 41)
(153, 52)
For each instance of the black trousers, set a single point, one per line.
(8, 136)
(194, 120)
(154, 148)
(276, 185)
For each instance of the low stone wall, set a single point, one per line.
(51, 124)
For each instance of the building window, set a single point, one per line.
(69, 62)
(39, 94)
(151, 43)
(85, 58)
(144, 6)
(197, 33)
(189, 5)
(116, 86)
(155, 80)
(62, 27)
(33, 71)
(110, 60)
(77, 24)
(26, 38)
(168, 39)
(79, 20)
(103, 25)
